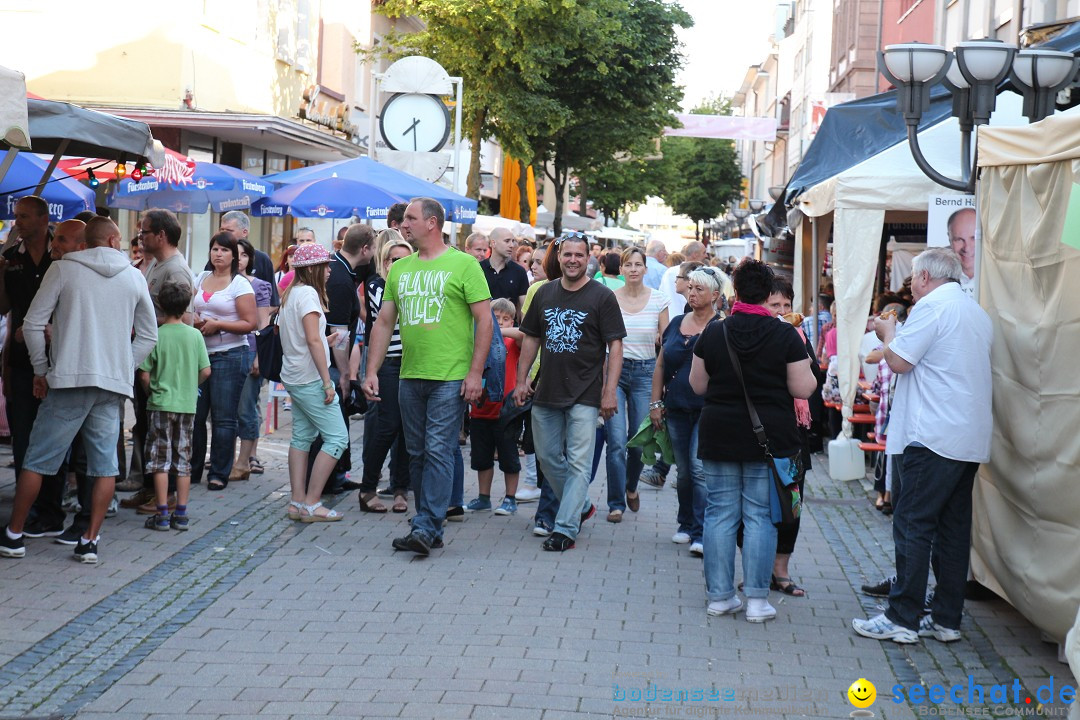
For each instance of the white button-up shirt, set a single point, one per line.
(944, 402)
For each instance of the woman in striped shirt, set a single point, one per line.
(645, 314)
(387, 428)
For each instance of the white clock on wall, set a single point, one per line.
(415, 122)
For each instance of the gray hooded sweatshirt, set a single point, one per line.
(94, 298)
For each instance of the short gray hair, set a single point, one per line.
(655, 247)
(712, 279)
(940, 263)
(238, 217)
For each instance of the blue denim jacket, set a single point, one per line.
(495, 366)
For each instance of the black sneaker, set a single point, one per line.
(385, 492)
(86, 552)
(929, 602)
(11, 548)
(455, 514)
(70, 536)
(416, 541)
(179, 522)
(587, 514)
(437, 544)
(881, 590)
(37, 529)
(558, 543)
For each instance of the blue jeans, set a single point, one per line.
(624, 464)
(933, 510)
(682, 427)
(737, 492)
(564, 439)
(219, 399)
(249, 404)
(431, 412)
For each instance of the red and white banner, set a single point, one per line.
(725, 127)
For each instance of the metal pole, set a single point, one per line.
(457, 145)
(52, 166)
(815, 268)
(9, 157)
(376, 80)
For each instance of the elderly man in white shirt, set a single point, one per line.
(941, 424)
(694, 252)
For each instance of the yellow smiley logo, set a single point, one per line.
(862, 693)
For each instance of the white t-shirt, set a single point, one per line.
(869, 344)
(667, 286)
(297, 366)
(221, 305)
(944, 403)
(642, 327)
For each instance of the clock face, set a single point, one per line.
(415, 122)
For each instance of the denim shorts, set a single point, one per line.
(64, 413)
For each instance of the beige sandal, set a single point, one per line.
(308, 514)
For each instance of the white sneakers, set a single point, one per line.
(880, 627)
(758, 610)
(527, 493)
(929, 628)
(680, 538)
(697, 549)
(725, 607)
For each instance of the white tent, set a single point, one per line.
(486, 223)
(623, 235)
(14, 132)
(1025, 530)
(858, 200)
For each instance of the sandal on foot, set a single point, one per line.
(216, 485)
(633, 501)
(369, 503)
(786, 586)
(309, 514)
(294, 510)
(256, 466)
(401, 504)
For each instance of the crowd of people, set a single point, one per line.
(544, 358)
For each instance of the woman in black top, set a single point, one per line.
(776, 370)
(386, 430)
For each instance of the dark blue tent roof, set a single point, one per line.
(855, 131)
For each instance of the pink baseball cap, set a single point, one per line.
(309, 254)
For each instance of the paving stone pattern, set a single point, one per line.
(251, 615)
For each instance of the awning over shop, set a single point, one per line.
(60, 127)
(269, 132)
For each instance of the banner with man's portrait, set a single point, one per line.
(951, 222)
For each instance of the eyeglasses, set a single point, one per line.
(146, 232)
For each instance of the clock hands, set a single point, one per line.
(412, 129)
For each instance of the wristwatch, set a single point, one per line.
(328, 386)
(656, 405)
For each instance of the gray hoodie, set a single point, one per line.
(93, 297)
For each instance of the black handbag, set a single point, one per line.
(268, 350)
(785, 498)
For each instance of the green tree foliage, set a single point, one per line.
(614, 185)
(573, 82)
(703, 174)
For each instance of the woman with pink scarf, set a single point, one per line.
(779, 302)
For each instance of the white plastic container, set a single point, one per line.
(846, 460)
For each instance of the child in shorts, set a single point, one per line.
(490, 433)
(171, 375)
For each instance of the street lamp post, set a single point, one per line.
(740, 215)
(972, 73)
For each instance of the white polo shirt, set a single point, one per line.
(944, 403)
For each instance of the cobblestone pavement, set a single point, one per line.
(251, 615)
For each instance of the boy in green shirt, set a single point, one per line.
(171, 375)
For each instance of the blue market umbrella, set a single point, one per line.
(183, 185)
(65, 195)
(458, 207)
(331, 197)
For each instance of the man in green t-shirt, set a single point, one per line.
(440, 299)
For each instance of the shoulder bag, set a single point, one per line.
(268, 350)
(785, 499)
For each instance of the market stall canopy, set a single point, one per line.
(394, 182)
(570, 221)
(486, 223)
(331, 197)
(73, 130)
(14, 126)
(186, 186)
(65, 196)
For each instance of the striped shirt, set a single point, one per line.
(642, 328)
(373, 295)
